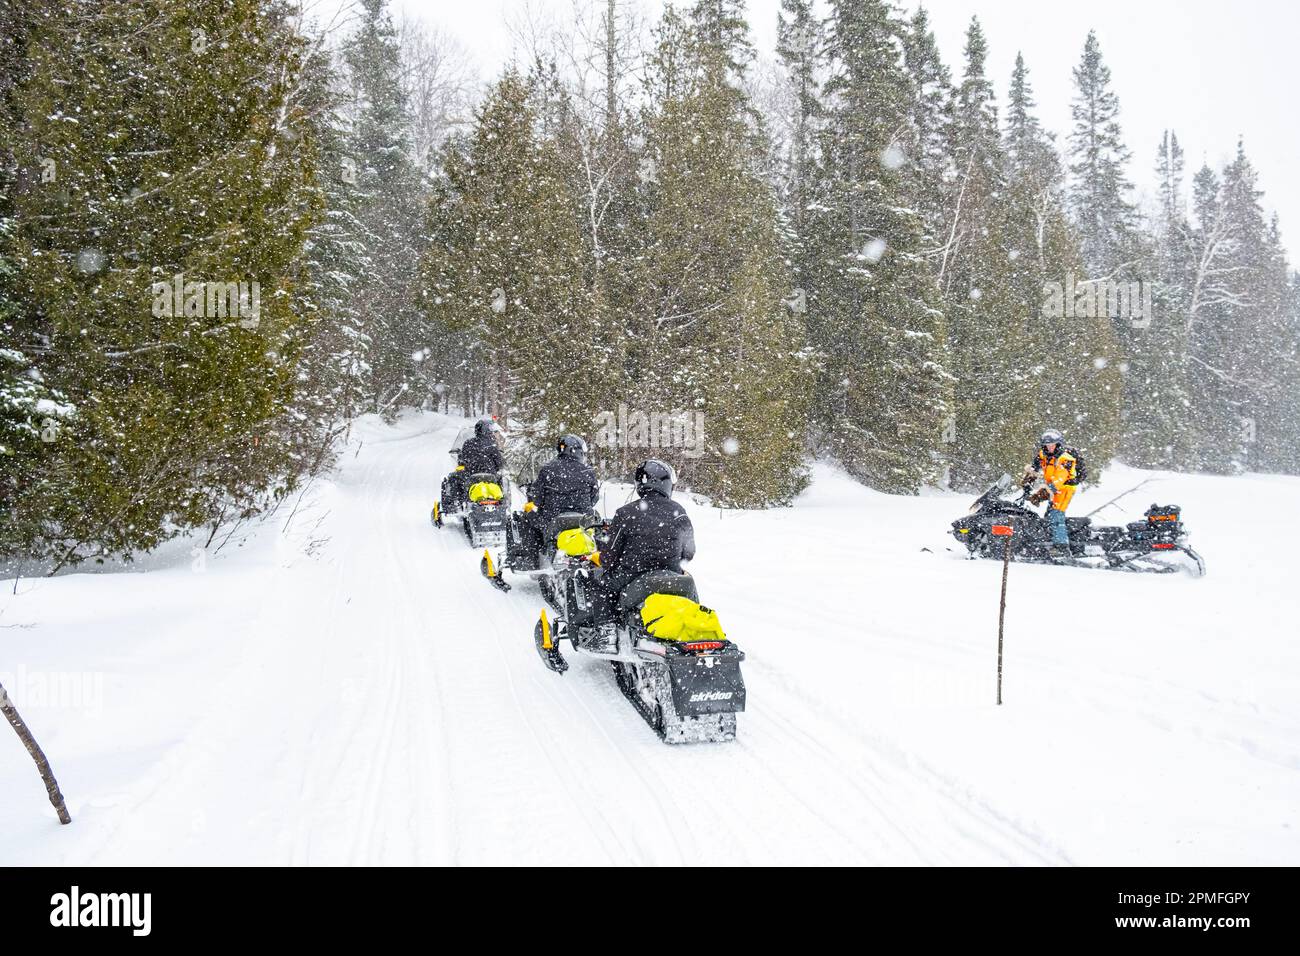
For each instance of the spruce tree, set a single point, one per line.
(506, 264)
(388, 209)
(1072, 361)
(1156, 421)
(874, 319)
(1099, 188)
(718, 338)
(198, 168)
(927, 151)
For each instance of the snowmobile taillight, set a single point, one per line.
(1163, 547)
(489, 503)
(704, 645)
(1002, 530)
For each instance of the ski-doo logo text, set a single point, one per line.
(133, 910)
(707, 695)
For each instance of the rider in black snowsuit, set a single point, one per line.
(480, 454)
(566, 483)
(653, 533)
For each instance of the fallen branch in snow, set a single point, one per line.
(33, 748)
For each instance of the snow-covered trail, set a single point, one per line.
(354, 692)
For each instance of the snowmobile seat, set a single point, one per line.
(1078, 524)
(564, 521)
(657, 582)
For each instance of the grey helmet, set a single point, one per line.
(1051, 437)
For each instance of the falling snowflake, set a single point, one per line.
(90, 260)
(874, 250)
(893, 157)
(730, 446)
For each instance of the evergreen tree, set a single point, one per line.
(506, 264)
(874, 315)
(388, 209)
(1105, 219)
(1156, 422)
(1072, 360)
(198, 168)
(334, 372)
(800, 47)
(928, 147)
(1237, 321)
(990, 354)
(718, 338)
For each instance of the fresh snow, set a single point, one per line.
(352, 691)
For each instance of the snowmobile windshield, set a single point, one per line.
(461, 436)
(995, 490)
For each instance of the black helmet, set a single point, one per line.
(572, 446)
(487, 428)
(1051, 437)
(657, 476)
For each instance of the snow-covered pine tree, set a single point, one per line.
(1236, 323)
(1111, 243)
(507, 264)
(1157, 404)
(334, 370)
(989, 328)
(928, 145)
(874, 316)
(717, 338)
(1104, 217)
(199, 169)
(389, 200)
(800, 47)
(1070, 360)
(1276, 365)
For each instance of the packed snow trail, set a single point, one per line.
(352, 691)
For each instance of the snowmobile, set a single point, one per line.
(482, 509)
(570, 539)
(1157, 544)
(687, 688)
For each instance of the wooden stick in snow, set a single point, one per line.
(25, 735)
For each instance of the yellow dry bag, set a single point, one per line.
(673, 618)
(485, 491)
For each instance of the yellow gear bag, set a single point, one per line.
(673, 618)
(575, 542)
(485, 490)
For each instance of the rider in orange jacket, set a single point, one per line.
(1060, 470)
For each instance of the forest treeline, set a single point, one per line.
(225, 232)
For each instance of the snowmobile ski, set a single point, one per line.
(546, 647)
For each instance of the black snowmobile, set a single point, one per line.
(568, 541)
(688, 691)
(1157, 544)
(482, 508)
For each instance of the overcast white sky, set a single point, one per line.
(1211, 71)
